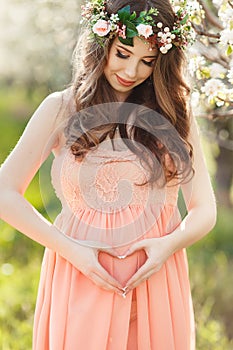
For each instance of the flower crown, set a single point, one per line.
(127, 25)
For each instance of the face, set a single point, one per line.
(129, 66)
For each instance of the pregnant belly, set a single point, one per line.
(122, 269)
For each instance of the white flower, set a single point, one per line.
(160, 25)
(225, 14)
(195, 63)
(226, 37)
(230, 75)
(217, 71)
(166, 29)
(145, 30)
(192, 7)
(218, 3)
(163, 50)
(115, 18)
(168, 46)
(213, 87)
(163, 38)
(113, 27)
(101, 27)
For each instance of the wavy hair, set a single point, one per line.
(165, 93)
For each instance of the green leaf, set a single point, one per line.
(131, 33)
(131, 26)
(153, 11)
(176, 31)
(143, 14)
(184, 20)
(128, 41)
(124, 13)
(229, 50)
(133, 16)
(131, 30)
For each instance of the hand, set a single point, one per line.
(157, 251)
(85, 259)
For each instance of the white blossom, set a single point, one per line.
(230, 75)
(226, 14)
(217, 3)
(145, 30)
(193, 6)
(195, 63)
(213, 87)
(226, 37)
(217, 71)
(115, 18)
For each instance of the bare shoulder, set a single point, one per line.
(57, 103)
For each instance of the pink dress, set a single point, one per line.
(103, 206)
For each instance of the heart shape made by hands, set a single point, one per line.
(122, 269)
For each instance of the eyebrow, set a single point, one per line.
(122, 47)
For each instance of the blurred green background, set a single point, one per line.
(35, 61)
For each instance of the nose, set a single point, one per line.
(131, 69)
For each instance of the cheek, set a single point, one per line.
(114, 64)
(145, 72)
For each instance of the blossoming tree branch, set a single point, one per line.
(211, 61)
(211, 70)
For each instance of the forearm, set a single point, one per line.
(198, 222)
(18, 212)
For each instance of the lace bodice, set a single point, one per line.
(106, 180)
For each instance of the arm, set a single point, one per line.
(36, 143)
(199, 199)
(40, 137)
(201, 217)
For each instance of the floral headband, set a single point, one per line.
(127, 25)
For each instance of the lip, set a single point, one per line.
(124, 82)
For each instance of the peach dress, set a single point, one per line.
(102, 206)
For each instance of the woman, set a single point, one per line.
(114, 274)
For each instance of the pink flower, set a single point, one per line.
(145, 30)
(122, 31)
(101, 27)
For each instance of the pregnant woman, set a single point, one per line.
(114, 274)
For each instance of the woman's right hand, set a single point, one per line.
(85, 259)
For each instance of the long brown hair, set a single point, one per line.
(165, 93)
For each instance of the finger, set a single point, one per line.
(142, 274)
(101, 272)
(137, 282)
(102, 283)
(137, 246)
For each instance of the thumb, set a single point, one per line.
(135, 247)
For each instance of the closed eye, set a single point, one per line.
(149, 64)
(121, 55)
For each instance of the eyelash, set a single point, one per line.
(120, 55)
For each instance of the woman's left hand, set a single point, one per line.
(157, 250)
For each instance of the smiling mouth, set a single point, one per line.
(124, 82)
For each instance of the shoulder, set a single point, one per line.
(57, 100)
(57, 107)
(56, 110)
